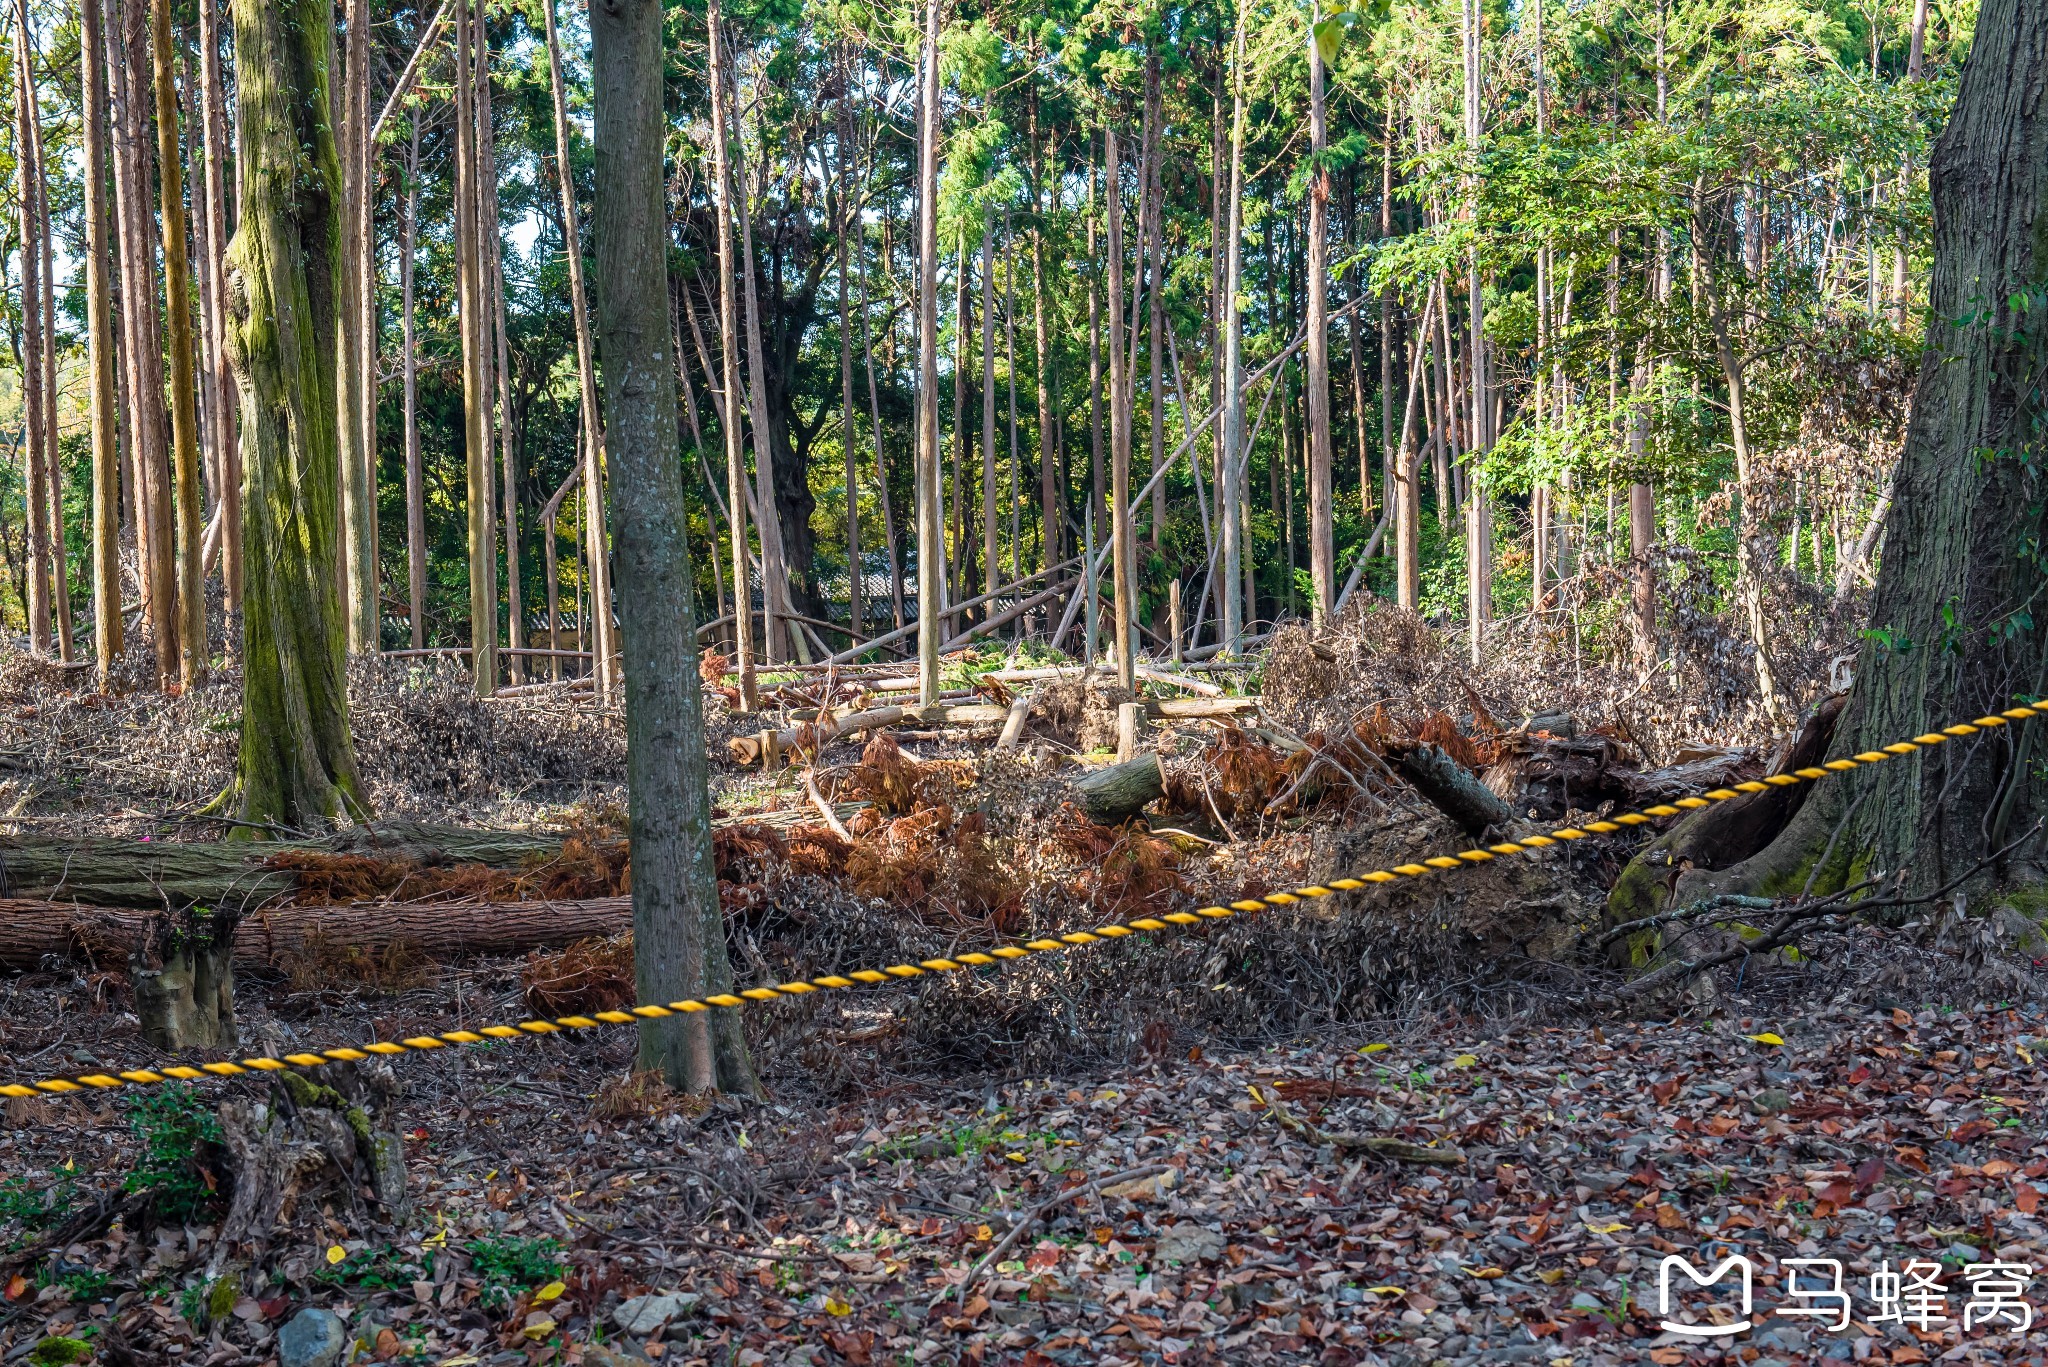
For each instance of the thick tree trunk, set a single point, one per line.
(1951, 636)
(297, 766)
(931, 574)
(602, 642)
(1118, 792)
(105, 390)
(678, 931)
(184, 376)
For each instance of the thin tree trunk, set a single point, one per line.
(60, 544)
(678, 928)
(221, 379)
(476, 399)
(1479, 510)
(184, 384)
(775, 600)
(36, 497)
(1010, 373)
(1123, 545)
(1322, 554)
(1405, 476)
(1231, 458)
(728, 342)
(1151, 217)
(991, 553)
(358, 505)
(1050, 537)
(415, 470)
(930, 529)
(494, 285)
(849, 224)
(882, 494)
(600, 642)
(297, 766)
(106, 450)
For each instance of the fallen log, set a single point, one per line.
(234, 875)
(1455, 790)
(1116, 792)
(31, 931)
(812, 735)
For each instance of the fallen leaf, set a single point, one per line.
(837, 1308)
(1486, 1274)
(550, 1291)
(1465, 1061)
(335, 1253)
(2024, 1196)
(1375, 1048)
(1766, 1038)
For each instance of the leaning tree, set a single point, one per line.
(1958, 622)
(297, 766)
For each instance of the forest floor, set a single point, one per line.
(1149, 1143)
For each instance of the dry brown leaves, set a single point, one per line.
(1126, 871)
(583, 868)
(324, 964)
(590, 975)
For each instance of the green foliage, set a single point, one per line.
(506, 1266)
(178, 1135)
(53, 1352)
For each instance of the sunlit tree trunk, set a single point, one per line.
(476, 396)
(930, 529)
(1230, 461)
(1123, 544)
(36, 460)
(104, 388)
(227, 462)
(991, 556)
(1051, 533)
(495, 320)
(60, 555)
(297, 766)
(728, 342)
(184, 378)
(1479, 387)
(1322, 554)
(358, 502)
(600, 642)
(849, 226)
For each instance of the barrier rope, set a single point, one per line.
(136, 1077)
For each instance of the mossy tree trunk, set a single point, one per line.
(1955, 632)
(297, 766)
(678, 930)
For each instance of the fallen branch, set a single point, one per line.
(824, 807)
(1380, 1145)
(1031, 1217)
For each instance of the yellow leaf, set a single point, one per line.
(1384, 1290)
(835, 1306)
(984, 1232)
(2022, 1052)
(1375, 1048)
(461, 1360)
(540, 1329)
(1551, 1276)
(1016, 1158)
(1765, 1038)
(335, 1253)
(1465, 1061)
(1487, 1274)
(1615, 1228)
(550, 1291)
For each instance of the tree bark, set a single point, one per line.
(358, 510)
(297, 766)
(220, 379)
(415, 469)
(480, 484)
(930, 527)
(1231, 459)
(728, 344)
(991, 555)
(849, 225)
(602, 641)
(1123, 542)
(1950, 635)
(1322, 553)
(496, 322)
(60, 556)
(36, 472)
(184, 378)
(105, 393)
(1117, 792)
(143, 340)
(678, 931)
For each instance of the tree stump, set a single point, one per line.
(325, 1137)
(1116, 792)
(1454, 789)
(183, 972)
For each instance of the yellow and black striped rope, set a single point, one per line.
(1075, 940)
